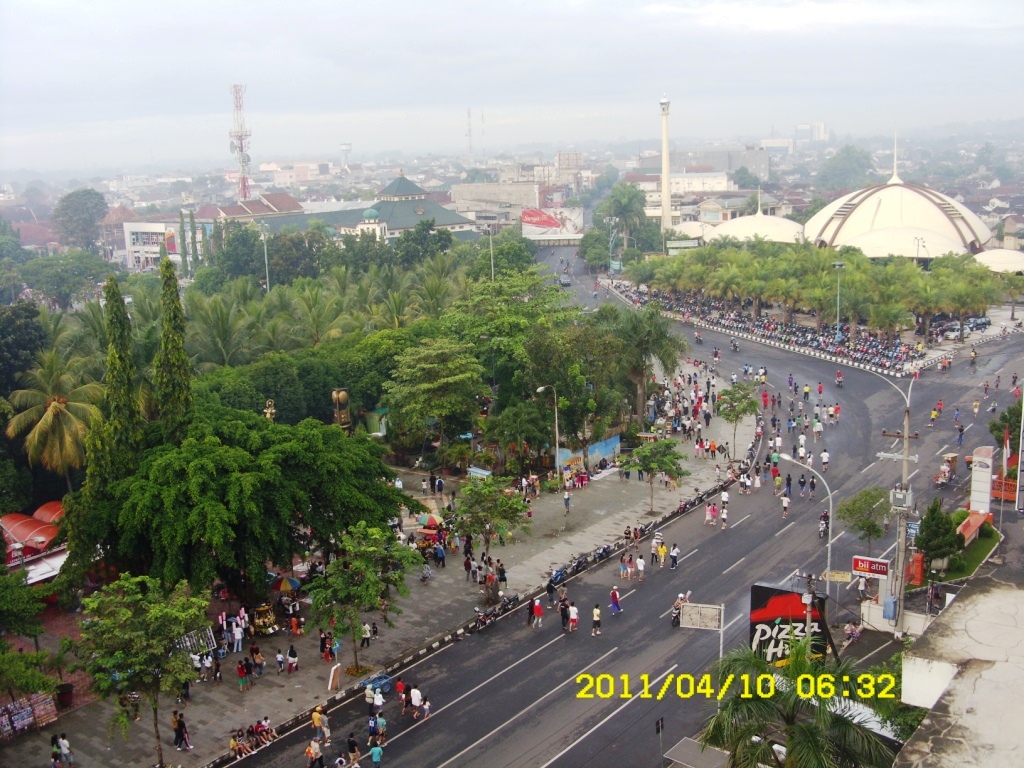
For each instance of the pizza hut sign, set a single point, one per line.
(871, 567)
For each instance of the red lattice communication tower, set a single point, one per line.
(240, 142)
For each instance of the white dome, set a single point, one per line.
(887, 217)
(1002, 260)
(772, 228)
(692, 229)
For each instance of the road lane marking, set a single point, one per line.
(524, 710)
(616, 711)
(732, 622)
(837, 538)
(968, 427)
(943, 448)
(692, 553)
(787, 579)
(733, 565)
(739, 521)
(887, 644)
(911, 475)
(471, 691)
(894, 443)
(786, 528)
(869, 466)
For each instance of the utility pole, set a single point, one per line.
(902, 500)
(808, 601)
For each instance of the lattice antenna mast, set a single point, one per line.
(240, 141)
(469, 133)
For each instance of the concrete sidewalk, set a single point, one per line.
(430, 613)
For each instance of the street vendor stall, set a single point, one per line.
(265, 622)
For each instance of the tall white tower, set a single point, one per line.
(666, 190)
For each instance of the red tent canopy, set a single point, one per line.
(34, 535)
(50, 512)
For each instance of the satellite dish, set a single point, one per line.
(233, 147)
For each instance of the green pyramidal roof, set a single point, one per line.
(401, 187)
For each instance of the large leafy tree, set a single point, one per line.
(938, 537)
(849, 168)
(172, 376)
(655, 457)
(57, 407)
(240, 492)
(21, 337)
(816, 730)
(421, 242)
(371, 566)
(132, 641)
(485, 509)
(65, 276)
(77, 216)
(439, 380)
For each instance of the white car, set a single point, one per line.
(954, 334)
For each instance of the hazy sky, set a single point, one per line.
(105, 83)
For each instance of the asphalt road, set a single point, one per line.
(510, 696)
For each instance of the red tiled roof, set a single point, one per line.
(233, 210)
(119, 215)
(35, 233)
(281, 202)
(257, 207)
(208, 212)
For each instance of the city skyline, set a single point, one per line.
(117, 84)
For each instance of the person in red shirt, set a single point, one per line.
(538, 614)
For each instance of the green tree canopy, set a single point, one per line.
(371, 566)
(938, 537)
(172, 376)
(132, 641)
(744, 179)
(734, 405)
(485, 508)
(21, 337)
(66, 276)
(849, 168)
(654, 457)
(77, 216)
(439, 380)
(864, 513)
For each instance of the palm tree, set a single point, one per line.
(317, 315)
(647, 337)
(625, 203)
(814, 729)
(57, 408)
(218, 331)
(397, 310)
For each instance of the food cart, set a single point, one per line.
(265, 622)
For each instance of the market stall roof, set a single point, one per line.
(50, 512)
(19, 528)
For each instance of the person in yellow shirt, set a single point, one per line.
(662, 553)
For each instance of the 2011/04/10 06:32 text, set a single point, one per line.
(686, 686)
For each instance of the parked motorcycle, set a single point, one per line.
(483, 618)
(578, 564)
(508, 602)
(558, 575)
(602, 553)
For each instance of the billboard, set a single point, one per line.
(777, 617)
(552, 223)
(871, 567)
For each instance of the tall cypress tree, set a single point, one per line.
(192, 242)
(172, 374)
(182, 242)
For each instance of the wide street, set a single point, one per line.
(510, 696)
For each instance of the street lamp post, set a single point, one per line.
(831, 521)
(264, 229)
(558, 468)
(838, 265)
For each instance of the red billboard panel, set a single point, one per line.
(871, 567)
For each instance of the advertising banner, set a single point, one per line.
(562, 224)
(871, 567)
(777, 617)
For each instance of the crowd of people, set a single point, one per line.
(855, 344)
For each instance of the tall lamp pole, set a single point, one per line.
(264, 229)
(558, 467)
(838, 265)
(824, 482)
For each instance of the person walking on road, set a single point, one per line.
(824, 461)
(616, 608)
(641, 566)
(595, 627)
(538, 614)
(674, 556)
(574, 616)
(960, 435)
(785, 507)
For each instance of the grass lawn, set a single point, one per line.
(974, 554)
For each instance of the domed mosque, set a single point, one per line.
(898, 219)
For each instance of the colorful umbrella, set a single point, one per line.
(430, 520)
(285, 584)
